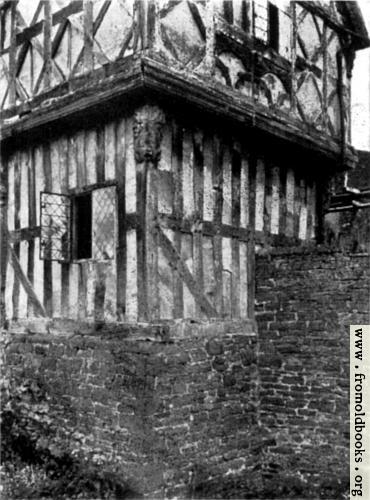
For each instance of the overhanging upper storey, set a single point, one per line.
(280, 67)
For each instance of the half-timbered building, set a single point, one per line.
(148, 145)
(149, 150)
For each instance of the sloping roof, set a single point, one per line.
(355, 23)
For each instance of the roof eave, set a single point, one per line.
(361, 39)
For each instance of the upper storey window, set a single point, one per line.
(272, 24)
(261, 20)
(268, 21)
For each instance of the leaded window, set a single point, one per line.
(103, 223)
(55, 227)
(78, 226)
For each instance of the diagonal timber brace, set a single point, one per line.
(176, 261)
(18, 271)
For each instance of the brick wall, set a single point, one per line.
(204, 410)
(305, 302)
(169, 415)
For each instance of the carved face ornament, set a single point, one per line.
(148, 125)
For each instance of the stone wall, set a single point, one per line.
(170, 416)
(305, 302)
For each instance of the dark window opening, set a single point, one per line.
(228, 11)
(245, 16)
(83, 226)
(273, 26)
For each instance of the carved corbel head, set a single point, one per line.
(148, 124)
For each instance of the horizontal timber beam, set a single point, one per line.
(207, 228)
(112, 88)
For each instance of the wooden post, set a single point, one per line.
(251, 240)
(198, 186)
(235, 213)
(151, 23)
(88, 35)
(12, 54)
(121, 213)
(48, 277)
(178, 205)
(217, 182)
(47, 44)
(17, 225)
(3, 237)
(293, 41)
(32, 221)
(324, 44)
(148, 123)
(210, 37)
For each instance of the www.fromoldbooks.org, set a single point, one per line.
(360, 411)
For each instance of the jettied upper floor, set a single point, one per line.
(282, 67)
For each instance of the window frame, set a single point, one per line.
(42, 226)
(71, 195)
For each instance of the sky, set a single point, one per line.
(361, 90)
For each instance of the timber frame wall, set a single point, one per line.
(189, 202)
(186, 231)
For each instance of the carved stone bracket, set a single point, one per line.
(148, 124)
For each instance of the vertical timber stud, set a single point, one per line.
(47, 44)
(210, 23)
(48, 278)
(63, 165)
(198, 180)
(324, 44)
(235, 214)
(217, 182)
(12, 54)
(17, 225)
(88, 35)
(121, 212)
(3, 236)
(151, 22)
(148, 124)
(178, 205)
(31, 220)
(251, 239)
(141, 9)
(293, 46)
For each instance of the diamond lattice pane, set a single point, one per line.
(25, 73)
(309, 97)
(62, 57)
(115, 27)
(55, 227)
(180, 34)
(56, 5)
(77, 36)
(104, 223)
(27, 11)
(309, 35)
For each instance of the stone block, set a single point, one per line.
(214, 347)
